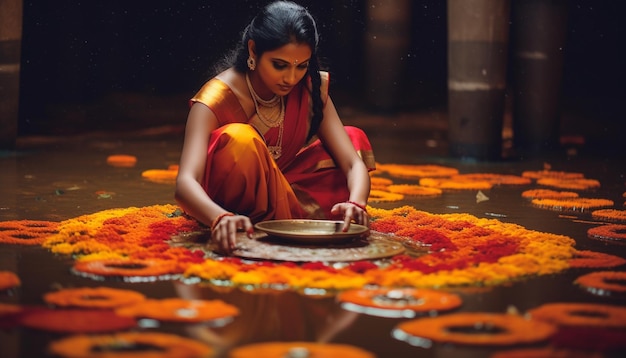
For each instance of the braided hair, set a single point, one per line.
(280, 23)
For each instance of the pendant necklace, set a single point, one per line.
(272, 113)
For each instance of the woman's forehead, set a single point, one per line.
(291, 53)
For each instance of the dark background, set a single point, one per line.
(106, 64)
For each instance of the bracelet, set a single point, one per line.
(219, 218)
(362, 207)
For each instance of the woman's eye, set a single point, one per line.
(279, 66)
(303, 66)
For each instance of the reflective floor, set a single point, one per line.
(58, 178)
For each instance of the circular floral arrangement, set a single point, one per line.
(581, 314)
(548, 194)
(122, 160)
(610, 233)
(129, 269)
(76, 321)
(126, 234)
(462, 249)
(593, 259)
(413, 171)
(96, 297)
(7, 309)
(539, 174)
(572, 184)
(180, 310)
(495, 179)
(378, 183)
(456, 184)
(402, 300)
(130, 345)
(574, 204)
(379, 196)
(8, 280)
(413, 190)
(9, 316)
(603, 283)
(299, 349)
(26, 232)
(609, 215)
(163, 176)
(474, 329)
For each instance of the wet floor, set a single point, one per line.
(55, 179)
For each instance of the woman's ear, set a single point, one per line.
(251, 49)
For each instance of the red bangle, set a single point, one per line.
(219, 218)
(362, 207)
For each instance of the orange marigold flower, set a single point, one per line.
(122, 160)
(378, 196)
(495, 179)
(8, 280)
(572, 184)
(93, 297)
(574, 204)
(603, 283)
(413, 190)
(592, 259)
(552, 174)
(475, 329)
(179, 310)
(581, 314)
(299, 349)
(456, 184)
(548, 194)
(76, 321)
(609, 215)
(26, 232)
(413, 171)
(399, 299)
(122, 268)
(127, 344)
(609, 232)
(164, 176)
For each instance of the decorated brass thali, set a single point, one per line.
(311, 231)
(314, 240)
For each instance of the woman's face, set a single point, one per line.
(281, 69)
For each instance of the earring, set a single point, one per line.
(251, 63)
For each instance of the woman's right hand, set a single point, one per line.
(224, 231)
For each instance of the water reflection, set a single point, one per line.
(269, 316)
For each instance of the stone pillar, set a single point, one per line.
(478, 33)
(10, 51)
(386, 46)
(538, 36)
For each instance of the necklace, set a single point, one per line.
(271, 112)
(277, 150)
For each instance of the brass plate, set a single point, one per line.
(262, 247)
(311, 231)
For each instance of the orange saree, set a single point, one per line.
(242, 176)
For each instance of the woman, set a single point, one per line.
(250, 151)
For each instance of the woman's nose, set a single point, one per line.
(289, 77)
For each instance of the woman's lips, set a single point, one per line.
(285, 88)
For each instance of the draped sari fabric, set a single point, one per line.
(241, 175)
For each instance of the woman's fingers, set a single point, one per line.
(225, 233)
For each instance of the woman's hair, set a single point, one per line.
(278, 24)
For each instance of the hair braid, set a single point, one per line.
(316, 96)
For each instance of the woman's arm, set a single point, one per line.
(189, 193)
(336, 140)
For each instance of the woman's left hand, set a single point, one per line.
(351, 212)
